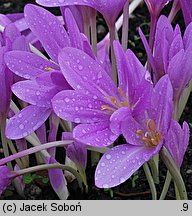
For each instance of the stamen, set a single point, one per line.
(151, 125)
(114, 100)
(105, 107)
(121, 92)
(49, 69)
(140, 132)
(125, 104)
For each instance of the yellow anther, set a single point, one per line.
(105, 107)
(49, 69)
(125, 104)
(121, 92)
(114, 100)
(140, 132)
(151, 125)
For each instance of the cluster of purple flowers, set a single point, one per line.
(61, 80)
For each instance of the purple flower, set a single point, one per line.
(95, 97)
(109, 8)
(45, 77)
(76, 151)
(177, 141)
(144, 134)
(5, 178)
(155, 6)
(186, 6)
(172, 55)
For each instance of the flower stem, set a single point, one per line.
(166, 186)
(113, 60)
(4, 139)
(34, 150)
(51, 166)
(150, 181)
(152, 31)
(125, 27)
(94, 31)
(154, 168)
(175, 173)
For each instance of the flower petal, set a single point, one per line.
(96, 135)
(26, 121)
(47, 28)
(73, 30)
(78, 107)
(162, 104)
(177, 141)
(27, 65)
(82, 72)
(33, 93)
(58, 181)
(120, 162)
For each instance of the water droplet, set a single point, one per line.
(21, 126)
(102, 164)
(121, 180)
(76, 108)
(108, 156)
(77, 120)
(37, 93)
(105, 186)
(66, 100)
(80, 67)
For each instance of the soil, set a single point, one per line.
(133, 190)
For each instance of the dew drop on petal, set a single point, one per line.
(77, 120)
(102, 164)
(21, 126)
(66, 100)
(121, 180)
(108, 156)
(105, 186)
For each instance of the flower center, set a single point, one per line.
(116, 103)
(152, 137)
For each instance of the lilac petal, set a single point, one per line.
(186, 7)
(148, 50)
(87, 47)
(15, 16)
(11, 32)
(82, 72)
(119, 163)
(21, 24)
(27, 65)
(6, 80)
(5, 179)
(142, 95)
(187, 38)
(34, 93)
(180, 71)
(4, 20)
(117, 118)
(73, 30)
(96, 135)
(162, 104)
(20, 43)
(77, 13)
(121, 66)
(26, 121)
(58, 181)
(47, 28)
(177, 141)
(78, 107)
(103, 55)
(109, 8)
(59, 80)
(77, 152)
(129, 128)
(176, 46)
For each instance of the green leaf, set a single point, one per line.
(27, 178)
(45, 180)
